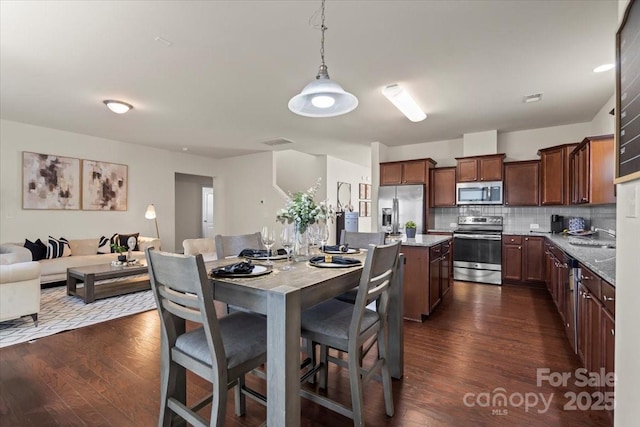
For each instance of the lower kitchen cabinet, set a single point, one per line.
(523, 259)
(427, 278)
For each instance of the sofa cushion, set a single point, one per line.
(58, 248)
(38, 249)
(84, 247)
(124, 238)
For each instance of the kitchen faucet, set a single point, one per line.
(611, 233)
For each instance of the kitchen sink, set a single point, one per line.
(594, 244)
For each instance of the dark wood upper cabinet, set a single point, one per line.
(406, 172)
(443, 187)
(480, 168)
(521, 183)
(555, 181)
(592, 171)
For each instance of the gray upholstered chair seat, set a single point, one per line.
(244, 337)
(332, 318)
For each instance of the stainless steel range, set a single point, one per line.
(477, 249)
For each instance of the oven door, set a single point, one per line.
(478, 258)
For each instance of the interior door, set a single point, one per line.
(207, 212)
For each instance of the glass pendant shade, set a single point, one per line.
(323, 98)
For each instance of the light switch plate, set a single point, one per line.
(534, 226)
(453, 225)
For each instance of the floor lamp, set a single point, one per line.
(151, 214)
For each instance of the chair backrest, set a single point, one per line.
(182, 291)
(377, 275)
(199, 246)
(233, 245)
(361, 240)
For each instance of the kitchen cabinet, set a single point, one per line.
(480, 168)
(555, 181)
(446, 268)
(425, 274)
(523, 259)
(406, 172)
(589, 315)
(443, 187)
(592, 169)
(521, 183)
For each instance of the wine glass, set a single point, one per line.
(287, 237)
(323, 234)
(313, 235)
(268, 240)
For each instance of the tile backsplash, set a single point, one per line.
(520, 218)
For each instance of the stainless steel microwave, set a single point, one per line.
(479, 193)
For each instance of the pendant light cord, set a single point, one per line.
(322, 29)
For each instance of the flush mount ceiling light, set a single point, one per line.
(117, 107)
(604, 67)
(404, 102)
(323, 97)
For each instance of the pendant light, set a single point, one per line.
(323, 97)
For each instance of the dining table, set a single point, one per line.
(282, 295)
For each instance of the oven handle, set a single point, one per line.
(477, 236)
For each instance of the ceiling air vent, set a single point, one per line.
(277, 141)
(534, 97)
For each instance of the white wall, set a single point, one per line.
(151, 180)
(443, 152)
(188, 210)
(524, 145)
(342, 171)
(480, 143)
(296, 171)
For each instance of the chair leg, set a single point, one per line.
(355, 381)
(310, 349)
(34, 316)
(324, 372)
(240, 398)
(219, 403)
(383, 348)
(168, 382)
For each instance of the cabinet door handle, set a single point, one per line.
(519, 247)
(606, 298)
(585, 277)
(526, 238)
(586, 296)
(613, 332)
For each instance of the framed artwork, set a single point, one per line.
(50, 181)
(104, 186)
(627, 110)
(365, 209)
(365, 191)
(344, 196)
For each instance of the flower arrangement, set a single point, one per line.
(302, 210)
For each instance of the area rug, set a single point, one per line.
(59, 312)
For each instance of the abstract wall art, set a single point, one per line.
(104, 186)
(50, 181)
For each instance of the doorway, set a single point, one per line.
(192, 194)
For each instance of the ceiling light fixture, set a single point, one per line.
(323, 97)
(117, 107)
(604, 67)
(404, 102)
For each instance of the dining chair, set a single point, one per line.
(220, 351)
(359, 240)
(232, 245)
(353, 329)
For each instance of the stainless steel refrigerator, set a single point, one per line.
(399, 204)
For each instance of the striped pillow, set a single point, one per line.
(104, 245)
(58, 248)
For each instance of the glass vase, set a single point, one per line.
(301, 245)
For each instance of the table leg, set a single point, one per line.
(89, 295)
(71, 285)
(396, 322)
(283, 357)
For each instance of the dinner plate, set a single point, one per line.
(333, 265)
(264, 258)
(349, 251)
(258, 270)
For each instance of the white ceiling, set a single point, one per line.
(222, 87)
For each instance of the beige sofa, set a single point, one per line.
(83, 253)
(204, 246)
(19, 285)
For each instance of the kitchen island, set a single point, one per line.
(427, 273)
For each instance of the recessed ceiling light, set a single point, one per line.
(532, 98)
(604, 67)
(117, 107)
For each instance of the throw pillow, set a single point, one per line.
(104, 245)
(114, 240)
(58, 248)
(123, 239)
(38, 249)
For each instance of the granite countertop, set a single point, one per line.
(441, 230)
(601, 261)
(425, 240)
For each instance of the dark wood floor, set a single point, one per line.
(480, 339)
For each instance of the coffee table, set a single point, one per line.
(105, 280)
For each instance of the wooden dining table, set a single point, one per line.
(282, 296)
